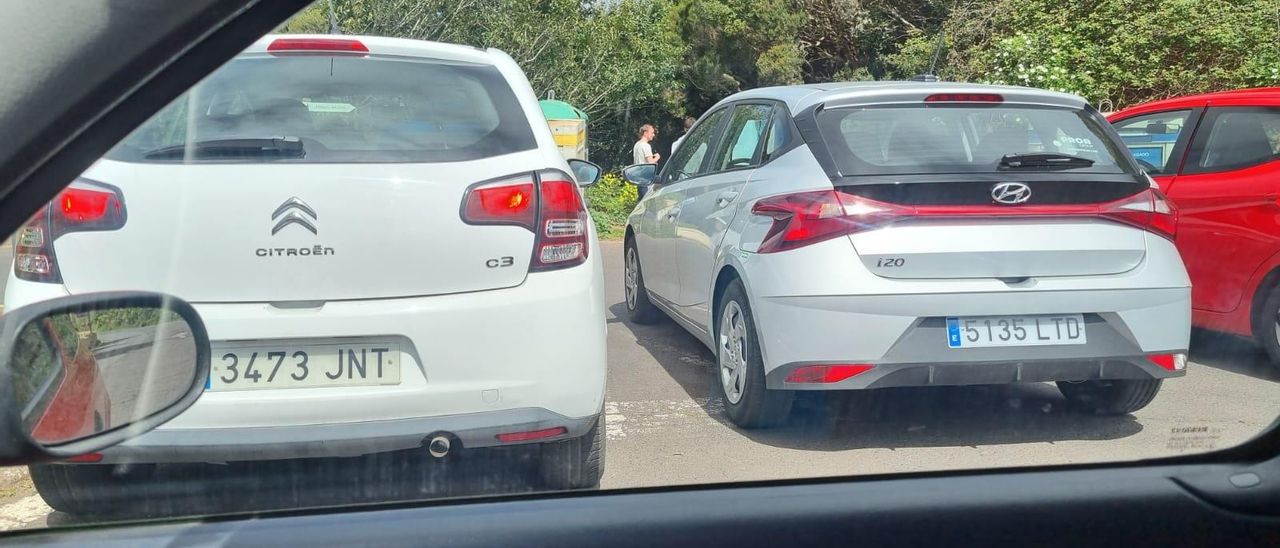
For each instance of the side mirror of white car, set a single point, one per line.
(585, 172)
(82, 373)
(641, 175)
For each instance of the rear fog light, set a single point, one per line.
(1171, 362)
(827, 374)
(511, 437)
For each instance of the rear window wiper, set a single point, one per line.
(1043, 160)
(256, 148)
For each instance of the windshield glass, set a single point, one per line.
(456, 248)
(921, 140)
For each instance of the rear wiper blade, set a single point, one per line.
(252, 147)
(1043, 160)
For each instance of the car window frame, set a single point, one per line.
(1197, 145)
(780, 114)
(712, 144)
(764, 134)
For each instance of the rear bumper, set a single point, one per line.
(843, 314)
(890, 375)
(471, 430)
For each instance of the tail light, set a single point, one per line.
(82, 207)
(810, 217)
(546, 203)
(988, 98)
(1149, 210)
(326, 46)
(1171, 362)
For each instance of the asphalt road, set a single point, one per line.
(664, 427)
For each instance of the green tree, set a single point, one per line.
(312, 20)
(734, 45)
(613, 60)
(1117, 51)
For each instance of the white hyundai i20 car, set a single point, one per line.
(861, 236)
(384, 243)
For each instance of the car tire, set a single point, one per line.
(1110, 397)
(1266, 328)
(576, 463)
(80, 489)
(639, 309)
(739, 370)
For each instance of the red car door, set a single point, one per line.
(1226, 193)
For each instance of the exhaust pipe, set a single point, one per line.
(438, 447)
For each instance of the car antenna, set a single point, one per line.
(932, 76)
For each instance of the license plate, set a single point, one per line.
(987, 331)
(253, 366)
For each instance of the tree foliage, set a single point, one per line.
(1117, 51)
(627, 62)
(614, 61)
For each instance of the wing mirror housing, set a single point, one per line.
(586, 173)
(641, 175)
(82, 373)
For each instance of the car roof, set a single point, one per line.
(800, 97)
(381, 45)
(1264, 96)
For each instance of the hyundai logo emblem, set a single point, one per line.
(298, 213)
(1011, 193)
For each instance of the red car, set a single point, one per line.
(73, 403)
(1215, 156)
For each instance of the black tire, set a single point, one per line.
(756, 406)
(639, 309)
(1266, 325)
(81, 489)
(1110, 397)
(574, 464)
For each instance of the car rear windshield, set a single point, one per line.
(923, 140)
(337, 109)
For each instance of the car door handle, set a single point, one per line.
(725, 197)
(673, 213)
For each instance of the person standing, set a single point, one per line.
(688, 124)
(642, 152)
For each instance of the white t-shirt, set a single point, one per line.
(676, 144)
(641, 152)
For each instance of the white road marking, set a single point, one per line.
(655, 416)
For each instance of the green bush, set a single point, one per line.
(611, 201)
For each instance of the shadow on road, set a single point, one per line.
(1233, 354)
(945, 416)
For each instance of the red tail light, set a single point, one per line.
(1171, 362)
(826, 374)
(547, 203)
(508, 201)
(84, 206)
(810, 217)
(562, 224)
(329, 46)
(1149, 210)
